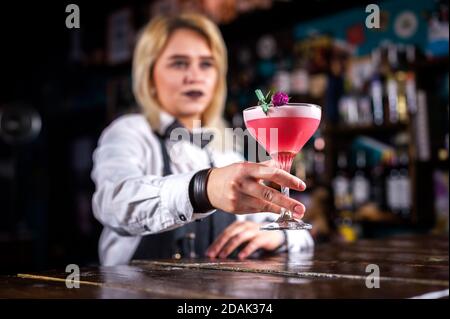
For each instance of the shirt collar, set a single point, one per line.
(167, 123)
(165, 120)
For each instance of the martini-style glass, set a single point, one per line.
(283, 131)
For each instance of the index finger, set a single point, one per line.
(276, 175)
(269, 163)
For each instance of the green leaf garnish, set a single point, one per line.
(262, 100)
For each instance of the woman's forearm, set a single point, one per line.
(144, 205)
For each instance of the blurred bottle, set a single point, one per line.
(376, 92)
(365, 110)
(404, 186)
(346, 226)
(392, 99)
(401, 78)
(376, 87)
(341, 185)
(393, 181)
(377, 193)
(343, 201)
(405, 78)
(348, 105)
(411, 95)
(400, 82)
(360, 183)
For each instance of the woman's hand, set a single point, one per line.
(241, 232)
(237, 188)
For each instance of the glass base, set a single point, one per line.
(287, 224)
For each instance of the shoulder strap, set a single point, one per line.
(166, 158)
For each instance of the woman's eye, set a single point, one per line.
(206, 65)
(180, 64)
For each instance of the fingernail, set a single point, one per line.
(298, 209)
(302, 184)
(298, 216)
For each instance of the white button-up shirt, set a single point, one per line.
(132, 198)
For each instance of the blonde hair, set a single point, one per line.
(150, 44)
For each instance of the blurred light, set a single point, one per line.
(319, 144)
(442, 154)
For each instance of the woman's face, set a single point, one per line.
(185, 75)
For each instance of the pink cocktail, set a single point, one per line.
(283, 131)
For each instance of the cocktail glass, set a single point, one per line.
(283, 131)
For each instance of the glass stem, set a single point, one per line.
(284, 160)
(285, 213)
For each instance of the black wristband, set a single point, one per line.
(197, 191)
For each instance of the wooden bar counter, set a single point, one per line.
(409, 266)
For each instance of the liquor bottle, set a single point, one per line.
(377, 193)
(376, 87)
(365, 110)
(376, 92)
(402, 107)
(403, 80)
(411, 93)
(360, 184)
(348, 105)
(341, 185)
(343, 202)
(392, 99)
(404, 186)
(393, 200)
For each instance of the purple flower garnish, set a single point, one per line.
(280, 98)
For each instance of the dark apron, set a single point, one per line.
(188, 241)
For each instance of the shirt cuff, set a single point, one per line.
(202, 215)
(175, 198)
